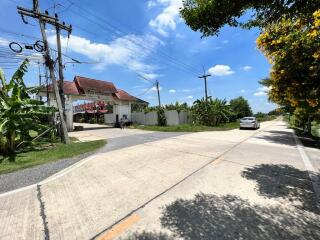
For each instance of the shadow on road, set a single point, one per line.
(279, 137)
(307, 140)
(94, 128)
(284, 181)
(229, 217)
(149, 236)
(208, 216)
(286, 138)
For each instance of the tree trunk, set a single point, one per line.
(11, 141)
(309, 125)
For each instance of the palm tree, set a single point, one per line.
(19, 114)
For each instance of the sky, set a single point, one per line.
(118, 41)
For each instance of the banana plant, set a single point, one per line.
(19, 114)
(210, 112)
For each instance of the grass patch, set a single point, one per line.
(267, 118)
(315, 129)
(44, 153)
(188, 128)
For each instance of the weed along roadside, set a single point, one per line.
(188, 127)
(46, 153)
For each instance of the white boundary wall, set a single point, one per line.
(173, 117)
(109, 118)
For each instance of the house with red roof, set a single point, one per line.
(103, 98)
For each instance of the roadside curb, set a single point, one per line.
(82, 157)
(313, 173)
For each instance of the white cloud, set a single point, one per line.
(258, 94)
(4, 42)
(154, 89)
(126, 51)
(190, 97)
(152, 4)
(225, 41)
(220, 70)
(181, 36)
(242, 90)
(186, 90)
(172, 91)
(152, 76)
(262, 91)
(168, 18)
(246, 68)
(264, 88)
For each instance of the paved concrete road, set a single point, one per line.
(116, 138)
(209, 185)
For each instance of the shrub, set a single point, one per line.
(162, 121)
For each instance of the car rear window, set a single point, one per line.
(248, 118)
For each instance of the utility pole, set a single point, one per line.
(39, 69)
(43, 19)
(61, 77)
(157, 87)
(205, 76)
(158, 90)
(47, 85)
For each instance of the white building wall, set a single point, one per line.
(122, 108)
(68, 110)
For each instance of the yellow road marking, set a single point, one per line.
(121, 227)
(219, 160)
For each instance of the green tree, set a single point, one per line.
(177, 106)
(208, 16)
(240, 107)
(211, 112)
(19, 114)
(293, 49)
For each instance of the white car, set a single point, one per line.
(249, 122)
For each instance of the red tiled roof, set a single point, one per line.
(87, 85)
(83, 85)
(69, 88)
(123, 95)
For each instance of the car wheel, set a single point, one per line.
(240, 128)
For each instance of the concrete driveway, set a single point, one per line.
(118, 138)
(209, 185)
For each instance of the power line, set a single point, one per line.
(185, 67)
(156, 84)
(118, 32)
(205, 76)
(52, 49)
(46, 19)
(145, 92)
(117, 29)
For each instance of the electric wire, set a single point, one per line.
(117, 29)
(119, 33)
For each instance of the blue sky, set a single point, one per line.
(121, 39)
